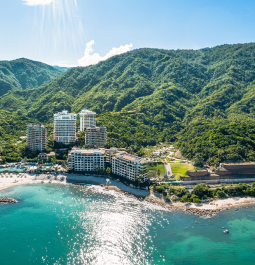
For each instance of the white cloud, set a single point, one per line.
(89, 58)
(37, 2)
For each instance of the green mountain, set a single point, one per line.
(24, 74)
(201, 99)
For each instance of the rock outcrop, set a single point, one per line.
(7, 200)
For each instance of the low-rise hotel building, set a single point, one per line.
(128, 166)
(87, 119)
(86, 159)
(36, 137)
(95, 136)
(44, 156)
(65, 127)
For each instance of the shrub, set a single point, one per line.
(204, 197)
(221, 194)
(160, 189)
(185, 198)
(167, 197)
(196, 200)
(198, 163)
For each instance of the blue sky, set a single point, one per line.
(58, 31)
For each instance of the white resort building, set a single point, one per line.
(95, 136)
(128, 166)
(36, 137)
(65, 127)
(87, 119)
(86, 160)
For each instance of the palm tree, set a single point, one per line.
(108, 171)
(139, 178)
(97, 168)
(102, 169)
(130, 150)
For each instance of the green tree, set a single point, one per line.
(108, 171)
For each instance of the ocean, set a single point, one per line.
(63, 224)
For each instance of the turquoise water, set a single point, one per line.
(61, 224)
(11, 169)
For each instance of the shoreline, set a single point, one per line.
(205, 209)
(25, 178)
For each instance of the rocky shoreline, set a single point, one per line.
(112, 188)
(7, 200)
(201, 212)
(190, 208)
(183, 207)
(153, 199)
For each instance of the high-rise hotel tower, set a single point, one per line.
(65, 127)
(87, 119)
(95, 136)
(36, 137)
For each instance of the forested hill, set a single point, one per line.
(180, 95)
(24, 74)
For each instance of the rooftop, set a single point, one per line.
(239, 164)
(35, 125)
(87, 151)
(64, 112)
(128, 157)
(86, 111)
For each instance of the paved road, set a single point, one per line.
(168, 169)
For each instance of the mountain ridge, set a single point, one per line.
(22, 74)
(174, 91)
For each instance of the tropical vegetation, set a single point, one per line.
(203, 191)
(203, 100)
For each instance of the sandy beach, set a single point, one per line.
(24, 178)
(8, 180)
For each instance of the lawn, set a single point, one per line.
(180, 169)
(153, 167)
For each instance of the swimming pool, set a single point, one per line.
(11, 169)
